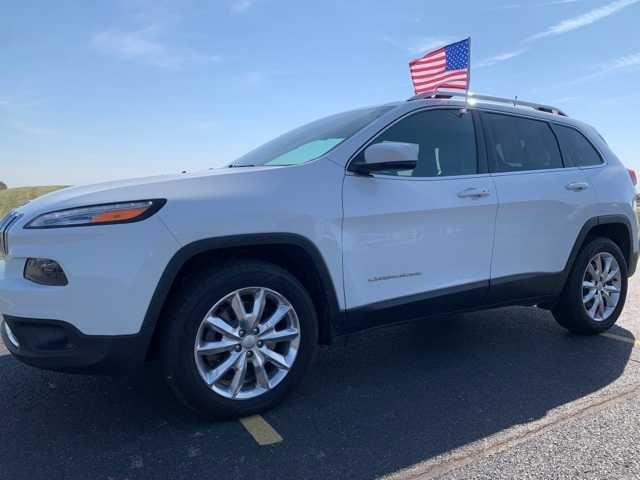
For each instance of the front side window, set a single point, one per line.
(445, 139)
(519, 144)
(312, 140)
(576, 149)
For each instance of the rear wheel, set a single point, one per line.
(240, 338)
(596, 289)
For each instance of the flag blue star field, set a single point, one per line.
(446, 67)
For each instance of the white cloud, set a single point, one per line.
(241, 6)
(585, 19)
(487, 62)
(627, 61)
(624, 64)
(145, 46)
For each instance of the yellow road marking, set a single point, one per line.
(260, 430)
(620, 338)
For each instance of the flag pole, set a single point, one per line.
(466, 99)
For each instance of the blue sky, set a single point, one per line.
(94, 91)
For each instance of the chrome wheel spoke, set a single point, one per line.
(222, 327)
(259, 302)
(598, 264)
(589, 296)
(607, 265)
(280, 313)
(239, 376)
(594, 307)
(219, 371)
(213, 348)
(601, 306)
(611, 275)
(262, 377)
(238, 308)
(611, 289)
(588, 284)
(275, 358)
(280, 335)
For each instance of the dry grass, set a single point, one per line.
(14, 197)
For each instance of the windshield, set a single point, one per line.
(312, 140)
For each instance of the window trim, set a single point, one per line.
(481, 158)
(603, 160)
(489, 138)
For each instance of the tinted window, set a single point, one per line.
(446, 143)
(577, 150)
(520, 144)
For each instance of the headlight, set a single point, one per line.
(107, 214)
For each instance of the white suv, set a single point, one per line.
(232, 277)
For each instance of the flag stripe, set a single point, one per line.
(455, 74)
(458, 82)
(440, 76)
(429, 60)
(434, 63)
(426, 71)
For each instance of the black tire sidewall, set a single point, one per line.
(210, 287)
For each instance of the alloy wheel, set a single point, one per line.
(601, 286)
(247, 343)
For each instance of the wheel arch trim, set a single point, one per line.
(189, 251)
(589, 226)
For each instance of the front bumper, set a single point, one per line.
(112, 273)
(56, 345)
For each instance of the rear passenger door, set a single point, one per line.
(542, 205)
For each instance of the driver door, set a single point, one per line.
(420, 241)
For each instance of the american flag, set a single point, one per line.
(446, 67)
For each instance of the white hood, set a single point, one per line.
(161, 186)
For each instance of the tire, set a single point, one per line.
(185, 370)
(571, 311)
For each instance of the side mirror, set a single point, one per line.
(388, 156)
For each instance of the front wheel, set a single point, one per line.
(596, 289)
(240, 338)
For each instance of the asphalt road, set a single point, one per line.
(497, 394)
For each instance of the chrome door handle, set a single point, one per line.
(474, 193)
(577, 186)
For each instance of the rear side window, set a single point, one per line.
(519, 144)
(576, 149)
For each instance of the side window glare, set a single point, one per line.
(446, 143)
